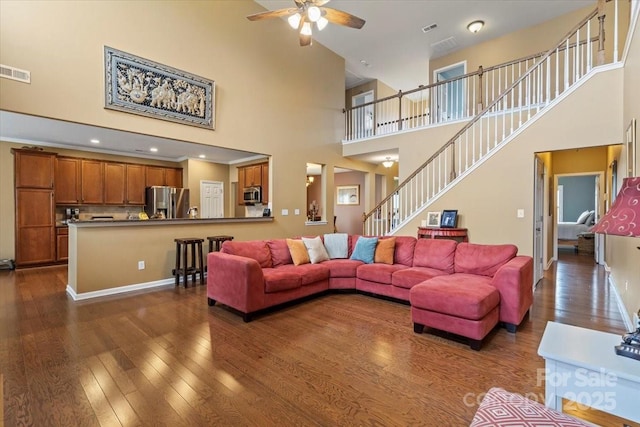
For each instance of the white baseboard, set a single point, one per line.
(119, 290)
(628, 323)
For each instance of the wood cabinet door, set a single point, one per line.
(92, 182)
(154, 175)
(252, 175)
(35, 226)
(114, 183)
(135, 185)
(67, 183)
(62, 244)
(173, 177)
(34, 169)
(265, 183)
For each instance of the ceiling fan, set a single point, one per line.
(308, 12)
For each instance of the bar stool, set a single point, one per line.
(182, 248)
(218, 241)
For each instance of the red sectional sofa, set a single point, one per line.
(254, 275)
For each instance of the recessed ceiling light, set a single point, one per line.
(153, 149)
(94, 141)
(475, 26)
(202, 156)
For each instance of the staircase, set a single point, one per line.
(551, 77)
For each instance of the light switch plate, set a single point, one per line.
(285, 212)
(296, 212)
(520, 213)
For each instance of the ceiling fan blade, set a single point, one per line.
(271, 14)
(319, 2)
(342, 18)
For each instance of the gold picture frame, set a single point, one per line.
(348, 194)
(631, 148)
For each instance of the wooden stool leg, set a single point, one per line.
(185, 270)
(201, 263)
(193, 263)
(210, 245)
(177, 269)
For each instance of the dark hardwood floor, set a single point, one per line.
(164, 357)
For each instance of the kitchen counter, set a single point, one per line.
(172, 221)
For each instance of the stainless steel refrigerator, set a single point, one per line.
(169, 202)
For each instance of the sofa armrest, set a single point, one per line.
(514, 281)
(235, 281)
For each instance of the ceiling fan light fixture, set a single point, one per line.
(321, 23)
(306, 29)
(314, 13)
(294, 20)
(475, 26)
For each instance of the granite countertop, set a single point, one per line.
(172, 221)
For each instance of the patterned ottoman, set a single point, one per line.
(501, 408)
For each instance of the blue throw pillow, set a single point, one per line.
(365, 249)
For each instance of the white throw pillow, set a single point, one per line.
(583, 217)
(337, 245)
(317, 252)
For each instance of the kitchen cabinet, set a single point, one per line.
(252, 175)
(92, 185)
(34, 169)
(157, 175)
(240, 187)
(114, 183)
(265, 183)
(135, 184)
(35, 218)
(62, 243)
(67, 181)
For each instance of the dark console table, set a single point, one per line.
(457, 234)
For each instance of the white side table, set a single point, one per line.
(581, 365)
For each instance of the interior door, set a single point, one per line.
(362, 118)
(450, 97)
(538, 206)
(211, 199)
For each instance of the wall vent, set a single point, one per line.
(15, 74)
(429, 28)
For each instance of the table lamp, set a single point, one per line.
(623, 219)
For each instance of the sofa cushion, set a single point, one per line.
(308, 273)
(364, 249)
(342, 267)
(280, 279)
(405, 245)
(435, 253)
(378, 273)
(315, 249)
(384, 250)
(337, 245)
(254, 249)
(298, 251)
(484, 260)
(409, 277)
(280, 254)
(462, 295)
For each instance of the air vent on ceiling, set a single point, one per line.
(15, 74)
(444, 45)
(429, 28)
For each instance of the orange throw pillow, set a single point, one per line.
(385, 250)
(298, 251)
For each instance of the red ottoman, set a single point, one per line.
(463, 304)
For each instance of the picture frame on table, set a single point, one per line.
(348, 194)
(433, 219)
(449, 219)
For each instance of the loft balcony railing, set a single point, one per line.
(507, 107)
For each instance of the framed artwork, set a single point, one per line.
(631, 149)
(449, 219)
(433, 219)
(140, 86)
(348, 194)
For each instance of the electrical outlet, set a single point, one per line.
(296, 211)
(520, 213)
(140, 265)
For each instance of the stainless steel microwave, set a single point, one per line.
(252, 195)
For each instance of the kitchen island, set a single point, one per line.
(104, 254)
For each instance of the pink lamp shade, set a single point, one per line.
(623, 219)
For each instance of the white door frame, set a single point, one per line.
(538, 221)
(438, 102)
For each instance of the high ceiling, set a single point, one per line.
(393, 46)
